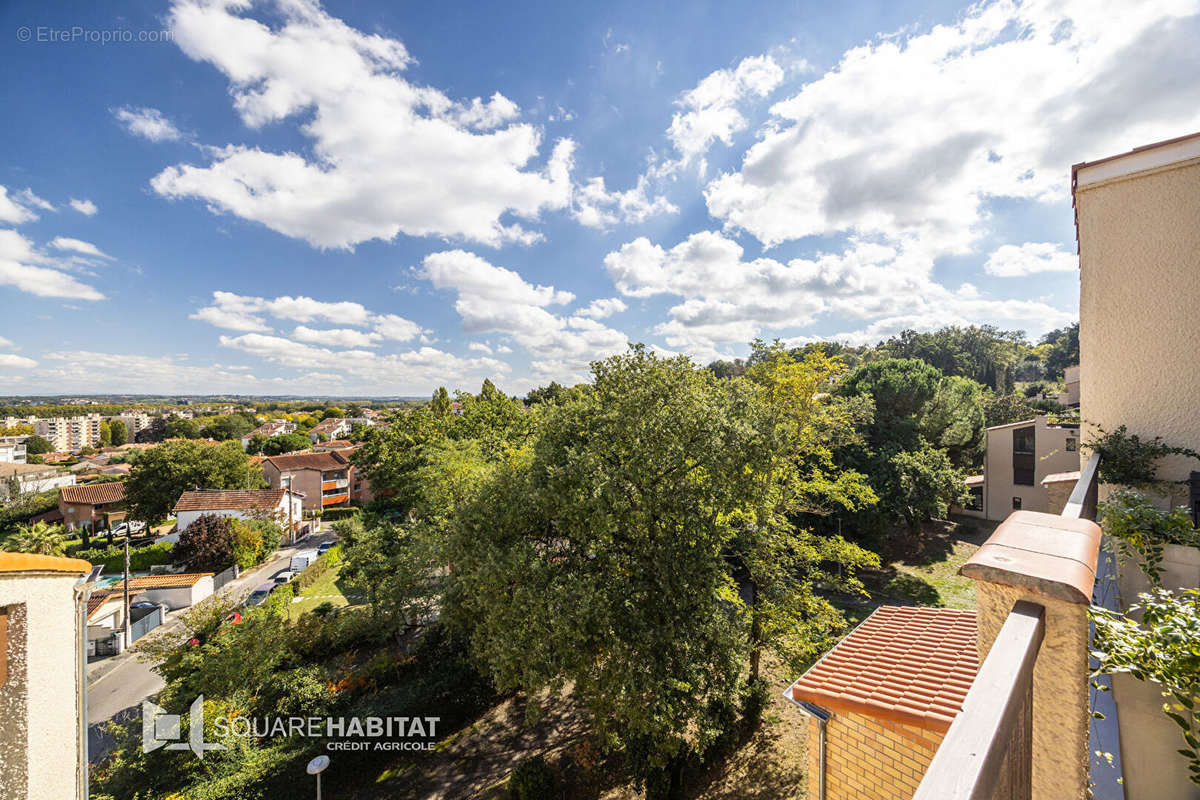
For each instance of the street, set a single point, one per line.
(118, 685)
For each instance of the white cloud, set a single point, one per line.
(726, 299)
(336, 337)
(1011, 261)
(28, 198)
(29, 270)
(596, 207)
(479, 347)
(77, 246)
(492, 299)
(85, 207)
(6, 342)
(390, 326)
(387, 156)
(16, 362)
(599, 309)
(710, 110)
(12, 212)
(149, 123)
(912, 135)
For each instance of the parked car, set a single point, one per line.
(260, 594)
(302, 560)
(284, 577)
(324, 547)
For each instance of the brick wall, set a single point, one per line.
(868, 758)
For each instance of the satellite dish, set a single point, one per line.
(318, 765)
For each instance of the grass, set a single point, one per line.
(327, 589)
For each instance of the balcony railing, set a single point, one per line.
(988, 752)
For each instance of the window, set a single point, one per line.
(976, 501)
(1016, 504)
(1072, 444)
(1023, 456)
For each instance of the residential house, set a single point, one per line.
(32, 478)
(282, 506)
(12, 450)
(331, 428)
(43, 679)
(1136, 220)
(880, 702)
(1018, 457)
(94, 506)
(276, 427)
(333, 444)
(324, 479)
(179, 590)
(1070, 397)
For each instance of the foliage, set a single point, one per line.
(165, 472)
(105, 434)
(21, 507)
(16, 430)
(181, 428)
(207, 545)
(285, 443)
(982, 353)
(228, 426)
(1163, 648)
(254, 540)
(36, 446)
(545, 394)
(113, 558)
(1063, 350)
(335, 513)
(118, 434)
(327, 561)
(1128, 460)
(925, 483)
(1142, 530)
(439, 405)
(953, 420)
(40, 538)
(1005, 409)
(395, 566)
(533, 779)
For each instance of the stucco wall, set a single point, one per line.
(48, 717)
(1050, 456)
(867, 757)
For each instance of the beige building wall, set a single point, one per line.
(868, 758)
(1051, 455)
(307, 481)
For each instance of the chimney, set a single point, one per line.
(1049, 561)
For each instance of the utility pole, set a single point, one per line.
(125, 591)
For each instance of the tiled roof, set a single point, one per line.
(94, 493)
(322, 461)
(221, 499)
(97, 600)
(142, 583)
(327, 425)
(905, 664)
(8, 470)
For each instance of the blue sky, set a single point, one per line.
(371, 198)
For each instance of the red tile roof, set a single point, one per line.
(144, 583)
(904, 664)
(93, 493)
(221, 499)
(97, 600)
(322, 461)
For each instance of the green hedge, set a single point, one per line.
(340, 512)
(317, 569)
(140, 558)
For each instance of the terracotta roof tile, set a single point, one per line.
(97, 600)
(221, 499)
(94, 493)
(906, 664)
(322, 461)
(142, 583)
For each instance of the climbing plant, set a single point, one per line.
(1141, 530)
(1128, 460)
(1161, 649)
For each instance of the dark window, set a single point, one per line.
(1194, 485)
(1023, 456)
(1072, 445)
(1016, 504)
(976, 501)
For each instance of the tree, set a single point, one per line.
(1005, 409)
(924, 485)
(285, 443)
(953, 420)
(105, 434)
(439, 406)
(545, 394)
(333, 412)
(1063, 352)
(118, 433)
(16, 430)
(228, 426)
(207, 545)
(166, 471)
(40, 538)
(488, 391)
(36, 446)
(181, 428)
(983, 353)
(255, 445)
(900, 390)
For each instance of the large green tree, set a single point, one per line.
(285, 443)
(118, 433)
(166, 471)
(1063, 352)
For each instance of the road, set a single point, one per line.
(117, 694)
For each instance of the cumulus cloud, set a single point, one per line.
(493, 299)
(30, 270)
(77, 246)
(606, 307)
(912, 134)
(240, 312)
(336, 337)
(16, 362)
(387, 156)
(13, 212)
(596, 207)
(148, 123)
(85, 207)
(1011, 261)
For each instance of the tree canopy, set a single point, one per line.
(164, 472)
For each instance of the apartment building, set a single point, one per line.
(325, 479)
(70, 434)
(12, 450)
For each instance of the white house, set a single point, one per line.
(283, 506)
(31, 478)
(173, 591)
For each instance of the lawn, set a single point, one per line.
(327, 589)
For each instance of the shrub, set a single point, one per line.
(206, 545)
(1142, 530)
(140, 558)
(341, 512)
(1128, 460)
(758, 695)
(533, 779)
(314, 571)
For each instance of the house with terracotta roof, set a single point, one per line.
(330, 428)
(173, 591)
(276, 427)
(282, 506)
(324, 478)
(94, 506)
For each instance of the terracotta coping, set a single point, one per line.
(30, 562)
(1061, 477)
(1045, 553)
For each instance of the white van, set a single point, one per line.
(302, 560)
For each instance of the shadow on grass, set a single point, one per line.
(891, 585)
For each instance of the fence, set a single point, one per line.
(146, 624)
(225, 577)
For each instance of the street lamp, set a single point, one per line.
(316, 767)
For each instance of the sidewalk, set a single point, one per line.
(243, 585)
